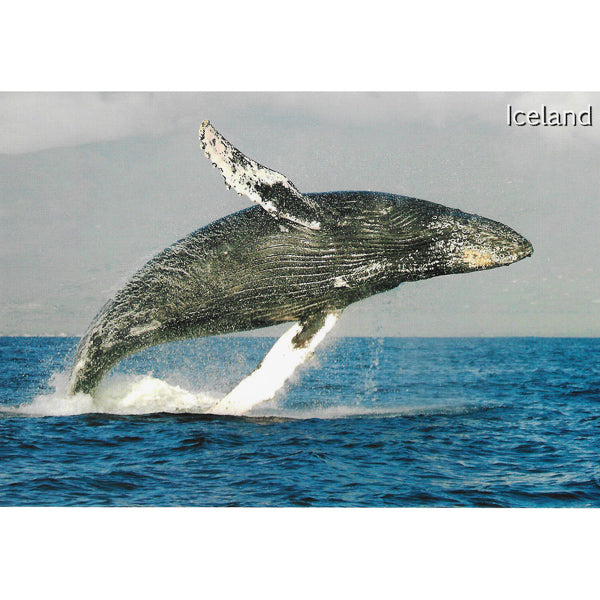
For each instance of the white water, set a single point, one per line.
(139, 395)
(142, 395)
(119, 395)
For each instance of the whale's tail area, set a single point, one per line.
(126, 324)
(90, 365)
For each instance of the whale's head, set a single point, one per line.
(432, 239)
(416, 239)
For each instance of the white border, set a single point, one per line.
(299, 553)
(313, 45)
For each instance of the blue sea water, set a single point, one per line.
(504, 422)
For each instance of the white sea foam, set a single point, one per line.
(138, 395)
(120, 395)
(143, 395)
(131, 395)
(343, 411)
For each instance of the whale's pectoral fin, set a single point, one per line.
(272, 190)
(308, 328)
(294, 347)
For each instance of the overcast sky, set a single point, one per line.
(93, 185)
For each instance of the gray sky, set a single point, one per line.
(93, 185)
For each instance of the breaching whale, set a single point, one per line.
(294, 257)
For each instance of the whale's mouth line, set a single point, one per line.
(479, 259)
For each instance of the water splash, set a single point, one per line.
(145, 395)
(275, 369)
(138, 395)
(344, 411)
(118, 395)
(360, 396)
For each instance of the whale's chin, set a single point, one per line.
(476, 259)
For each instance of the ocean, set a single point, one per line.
(367, 422)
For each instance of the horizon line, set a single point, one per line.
(240, 335)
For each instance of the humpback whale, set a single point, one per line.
(292, 257)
